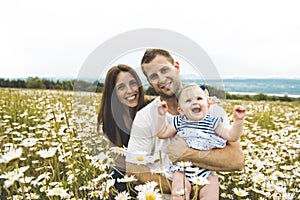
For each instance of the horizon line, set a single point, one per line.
(189, 75)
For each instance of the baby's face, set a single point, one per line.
(193, 103)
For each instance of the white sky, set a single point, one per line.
(255, 38)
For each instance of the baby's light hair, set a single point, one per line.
(191, 85)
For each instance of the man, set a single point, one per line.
(147, 154)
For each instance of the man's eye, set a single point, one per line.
(153, 77)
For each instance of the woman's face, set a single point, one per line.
(127, 89)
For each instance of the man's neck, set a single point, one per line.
(172, 105)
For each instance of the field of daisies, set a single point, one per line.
(50, 150)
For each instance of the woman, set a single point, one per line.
(122, 97)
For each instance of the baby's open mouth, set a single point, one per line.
(196, 110)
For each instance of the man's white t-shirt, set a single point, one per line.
(144, 142)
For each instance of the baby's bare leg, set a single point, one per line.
(177, 186)
(210, 191)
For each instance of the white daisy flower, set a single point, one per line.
(47, 153)
(29, 142)
(239, 192)
(95, 193)
(149, 195)
(184, 164)
(32, 196)
(138, 157)
(259, 178)
(58, 191)
(118, 150)
(12, 155)
(123, 196)
(127, 179)
(198, 180)
(276, 175)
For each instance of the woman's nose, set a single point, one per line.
(129, 89)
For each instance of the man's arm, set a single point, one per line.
(229, 158)
(143, 174)
(142, 143)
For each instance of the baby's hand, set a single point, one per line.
(239, 112)
(162, 108)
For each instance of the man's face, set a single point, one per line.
(163, 76)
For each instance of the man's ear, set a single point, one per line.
(176, 65)
(209, 101)
(179, 110)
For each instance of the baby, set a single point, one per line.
(200, 131)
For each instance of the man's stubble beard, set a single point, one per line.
(169, 96)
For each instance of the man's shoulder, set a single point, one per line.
(150, 106)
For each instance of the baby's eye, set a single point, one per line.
(188, 101)
(199, 98)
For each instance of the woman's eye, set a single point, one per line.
(120, 87)
(133, 83)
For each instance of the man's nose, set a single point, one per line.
(161, 77)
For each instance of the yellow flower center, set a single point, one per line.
(260, 179)
(140, 158)
(12, 175)
(150, 196)
(57, 191)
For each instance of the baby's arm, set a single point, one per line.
(234, 133)
(164, 131)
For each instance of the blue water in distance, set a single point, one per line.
(270, 86)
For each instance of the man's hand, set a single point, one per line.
(176, 149)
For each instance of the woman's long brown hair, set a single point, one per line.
(111, 111)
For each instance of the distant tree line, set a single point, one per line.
(37, 83)
(96, 86)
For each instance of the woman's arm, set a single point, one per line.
(229, 158)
